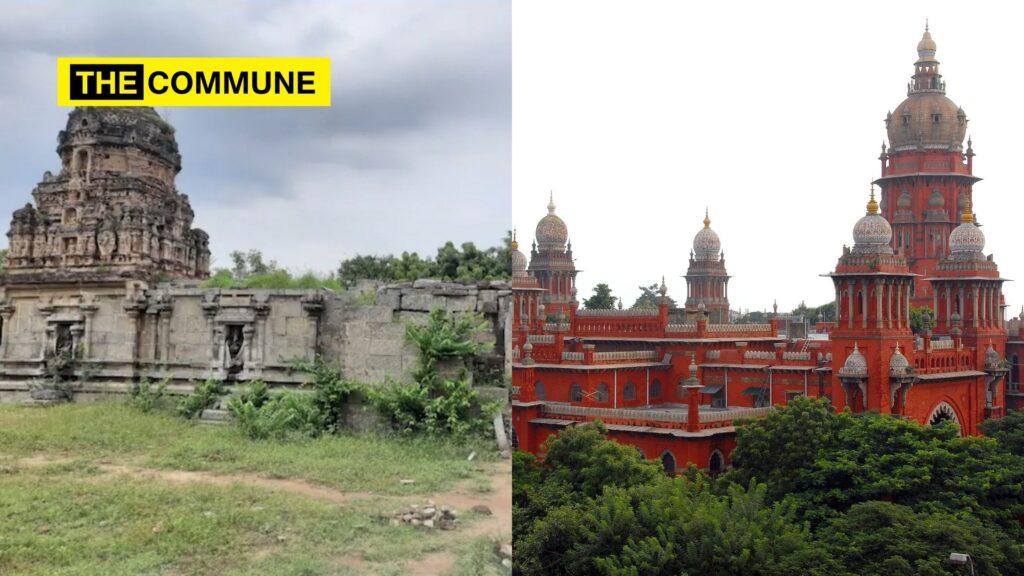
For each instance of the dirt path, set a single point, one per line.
(188, 477)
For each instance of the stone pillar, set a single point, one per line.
(6, 313)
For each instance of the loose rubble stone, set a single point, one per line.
(430, 516)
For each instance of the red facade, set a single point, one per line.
(674, 390)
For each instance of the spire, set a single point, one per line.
(515, 245)
(707, 221)
(872, 204)
(551, 202)
(968, 216)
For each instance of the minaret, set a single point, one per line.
(927, 176)
(873, 287)
(551, 263)
(707, 282)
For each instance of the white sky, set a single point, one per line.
(638, 115)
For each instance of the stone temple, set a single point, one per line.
(103, 284)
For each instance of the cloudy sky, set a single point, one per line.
(415, 150)
(770, 114)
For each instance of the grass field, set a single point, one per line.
(103, 489)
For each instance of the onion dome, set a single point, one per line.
(552, 232)
(961, 202)
(663, 290)
(872, 233)
(992, 358)
(856, 366)
(706, 244)
(518, 260)
(905, 201)
(926, 47)
(966, 241)
(927, 117)
(898, 364)
(936, 200)
(137, 126)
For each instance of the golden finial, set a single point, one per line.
(515, 245)
(872, 204)
(968, 216)
(707, 221)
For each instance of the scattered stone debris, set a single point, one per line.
(471, 456)
(429, 516)
(406, 481)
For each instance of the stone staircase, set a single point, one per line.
(215, 417)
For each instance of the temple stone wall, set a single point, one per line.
(120, 333)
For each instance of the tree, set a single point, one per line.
(781, 448)
(881, 538)
(1008, 431)
(826, 463)
(245, 264)
(3, 261)
(601, 300)
(649, 298)
(917, 317)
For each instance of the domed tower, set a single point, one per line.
(707, 282)
(112, 212)
(968, 292)
(551, 263)
(925, 170)
(873, 290)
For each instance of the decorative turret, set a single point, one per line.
(706, 278)
(551, 261)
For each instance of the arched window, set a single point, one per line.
(717, 463)
(538, 389)
(629, 392)
(656, 389)
(575, 393)
(668, 462)
(945, 413)
(602, 392)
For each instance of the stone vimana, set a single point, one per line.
(672, 384)
(103, 284)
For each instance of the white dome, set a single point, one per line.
(872, 233)
(966, 238)
(518, 262)
(552, 232)
(706, 244)
(898, 364)
(856, 366)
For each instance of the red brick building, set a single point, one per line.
(675, 389)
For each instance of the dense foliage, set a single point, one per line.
(601, 300)
(465, 262)
(203, 396)
(436, 403)
(811, 492)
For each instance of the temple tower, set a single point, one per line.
(927, 176)
(707, 282)
(113, 211)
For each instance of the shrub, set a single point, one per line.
(202, 397)
(278, 415)
(330, 390)
(145, 397)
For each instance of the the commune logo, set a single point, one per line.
(194, 81)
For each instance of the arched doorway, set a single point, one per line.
(716, 465)
(668, 462)
(942, 413)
